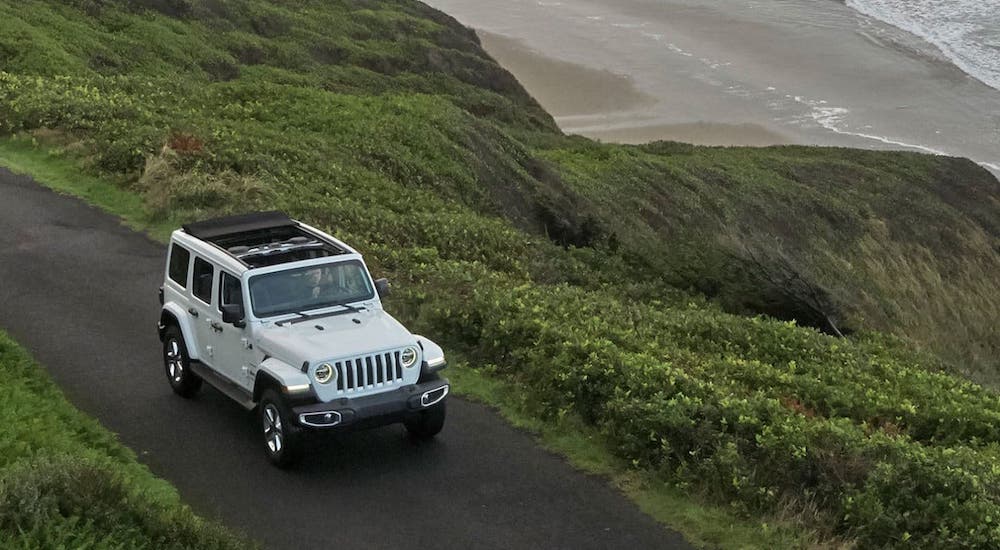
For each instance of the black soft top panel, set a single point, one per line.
(242, 223)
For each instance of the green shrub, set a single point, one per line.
(623, 284)
(724, 409)
(60, 501)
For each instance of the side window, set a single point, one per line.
(201, 284)
(229, 290)
(180, 258)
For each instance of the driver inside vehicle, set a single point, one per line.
(331, 283)
(318, 282)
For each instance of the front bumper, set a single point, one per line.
(372, 410)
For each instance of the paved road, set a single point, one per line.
(79, 291)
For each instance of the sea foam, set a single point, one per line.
(967, 32)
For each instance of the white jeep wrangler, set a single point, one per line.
(286, 319)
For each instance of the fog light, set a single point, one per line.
(434, 396)
(323, 419)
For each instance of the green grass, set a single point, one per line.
(896, 242)
(66, 482)
(702, 523)
(678, 301)
(593, 450)
(24, 156)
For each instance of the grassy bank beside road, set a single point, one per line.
(680, 301)
(66, 482)
(703, 523)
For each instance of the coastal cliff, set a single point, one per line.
(770, 327)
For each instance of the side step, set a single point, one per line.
(223, 384)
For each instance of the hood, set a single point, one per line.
(326, 338)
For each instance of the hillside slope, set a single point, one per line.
(839, 239)
(607, 279)
(394, 93)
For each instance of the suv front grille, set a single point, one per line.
(368, 371)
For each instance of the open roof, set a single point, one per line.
(263, 238)
(218, 227)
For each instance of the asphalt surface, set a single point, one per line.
(78, 289)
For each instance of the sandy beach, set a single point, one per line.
(602, 105)
(549, 80)
(727, 72)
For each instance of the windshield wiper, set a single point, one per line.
(348, 308)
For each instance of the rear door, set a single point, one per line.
(203, 276)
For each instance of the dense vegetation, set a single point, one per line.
(612, 282)
(66, 482)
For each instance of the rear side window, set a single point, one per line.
(180, 258)
(201, 284)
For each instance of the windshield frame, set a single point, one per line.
(300, 309)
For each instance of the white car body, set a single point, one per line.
(358, 340)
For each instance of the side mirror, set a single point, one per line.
(382, 287)
(233, 314)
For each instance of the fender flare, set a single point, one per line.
(263, 381)
(431, 351)
(276, 372)
(173, 314)
(433, 358)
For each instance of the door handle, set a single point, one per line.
(216, 326)
(193, 312)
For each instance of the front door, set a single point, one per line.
(232, 342)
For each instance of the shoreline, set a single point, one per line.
(951, 52)
(610, 107)
(718, 76)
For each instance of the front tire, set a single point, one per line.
(177, 364)
(282, 440)
(428, 423)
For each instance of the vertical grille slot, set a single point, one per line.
(356, 374)
(373, 375)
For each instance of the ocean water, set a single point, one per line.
(967, 32)
(918, 75)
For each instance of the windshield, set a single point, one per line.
(306, 288)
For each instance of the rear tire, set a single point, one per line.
(428, 423)
(177, 364)
(282, 439)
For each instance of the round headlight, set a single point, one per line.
(409, 357)
(325, 373)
